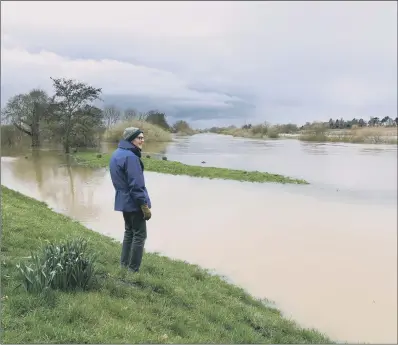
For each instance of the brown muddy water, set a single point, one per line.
(326, 254)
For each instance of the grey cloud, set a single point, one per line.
(177, 110)
(267, 61)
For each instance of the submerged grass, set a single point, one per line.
(176, 168)
(168, 302)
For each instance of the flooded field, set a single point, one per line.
(326, 253)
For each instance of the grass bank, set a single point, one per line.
(168, 302)
(152, 132)
(91, 159)
(365, 135)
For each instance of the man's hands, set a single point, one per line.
(146, 211)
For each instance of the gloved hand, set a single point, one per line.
(146, 211)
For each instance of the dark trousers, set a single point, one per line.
(134, 240)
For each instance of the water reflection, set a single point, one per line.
(52, 178)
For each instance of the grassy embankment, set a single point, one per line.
(94, 160)
(364, 135)
(168, 302)
(152, 133)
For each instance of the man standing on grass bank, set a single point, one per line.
(127, 174)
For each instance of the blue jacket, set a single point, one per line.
(128, 179)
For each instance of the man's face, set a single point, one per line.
(138, 141)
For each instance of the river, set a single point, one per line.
(325, 253)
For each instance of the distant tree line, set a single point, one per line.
(114, 115)
(263, 128)
(289, 128)
(342, 124)
(70, 117)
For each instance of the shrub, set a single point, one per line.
(182, 127)
(152, 132)
(157, 118)
(288, 128)
(60, 266)
(259, 129)
(273, 133)
(317, 133)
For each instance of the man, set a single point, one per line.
(131, 198)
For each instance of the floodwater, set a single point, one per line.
(326, 253)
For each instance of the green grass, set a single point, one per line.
(167, 302)
(90, 159)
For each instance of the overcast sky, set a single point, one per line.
(216, 63)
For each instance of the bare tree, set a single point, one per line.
(130, 114)
(142, 116)
(111, 115)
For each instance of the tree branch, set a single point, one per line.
(21, 128)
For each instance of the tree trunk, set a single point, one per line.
(67, 133)
(35, 126)
(66, 145)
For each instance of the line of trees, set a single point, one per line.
(263, 128)
(342, 124)
(289, 128)
(113, 115)
(70, 117)
(68, 114)
(373, 122)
